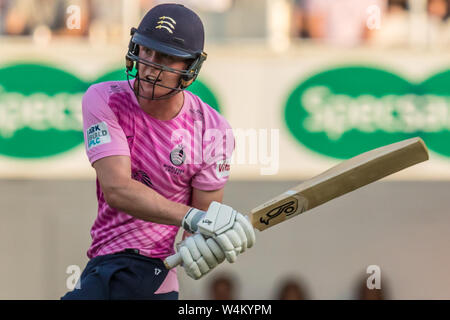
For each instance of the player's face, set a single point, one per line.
(153, 73)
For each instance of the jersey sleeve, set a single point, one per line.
(103, 135)
(218, 146)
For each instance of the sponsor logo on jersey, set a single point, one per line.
(97, 135)
(197, 114)
(114, 88)
(223, 168)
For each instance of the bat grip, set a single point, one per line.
(173, 261)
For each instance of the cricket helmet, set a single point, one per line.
(174, 30)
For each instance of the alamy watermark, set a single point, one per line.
(73, 281)
(73, 21)
(373, 21)
(237, 146)
(374, 280)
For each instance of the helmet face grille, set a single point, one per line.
(154, 82)
(187, 76)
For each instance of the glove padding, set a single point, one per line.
(200, 255)
(232, 231)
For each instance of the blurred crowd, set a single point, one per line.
(94, 17)
(338, 22)
(376, 22)
(226, 287)
(97, 17)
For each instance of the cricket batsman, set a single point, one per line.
(161, 156)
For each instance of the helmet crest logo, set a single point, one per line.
(166, 23)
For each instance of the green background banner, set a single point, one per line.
(348, 110)
(40, 109)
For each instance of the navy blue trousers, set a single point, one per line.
(121, 276)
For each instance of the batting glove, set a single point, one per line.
(229, 228)
(199, 255)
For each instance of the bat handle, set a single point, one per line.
(173, 260)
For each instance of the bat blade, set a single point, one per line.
(343, 178)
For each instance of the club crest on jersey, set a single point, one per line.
(166, 23)
(177, 156)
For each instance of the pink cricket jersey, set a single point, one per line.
(171, 157)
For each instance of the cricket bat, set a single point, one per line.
(343, 178)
